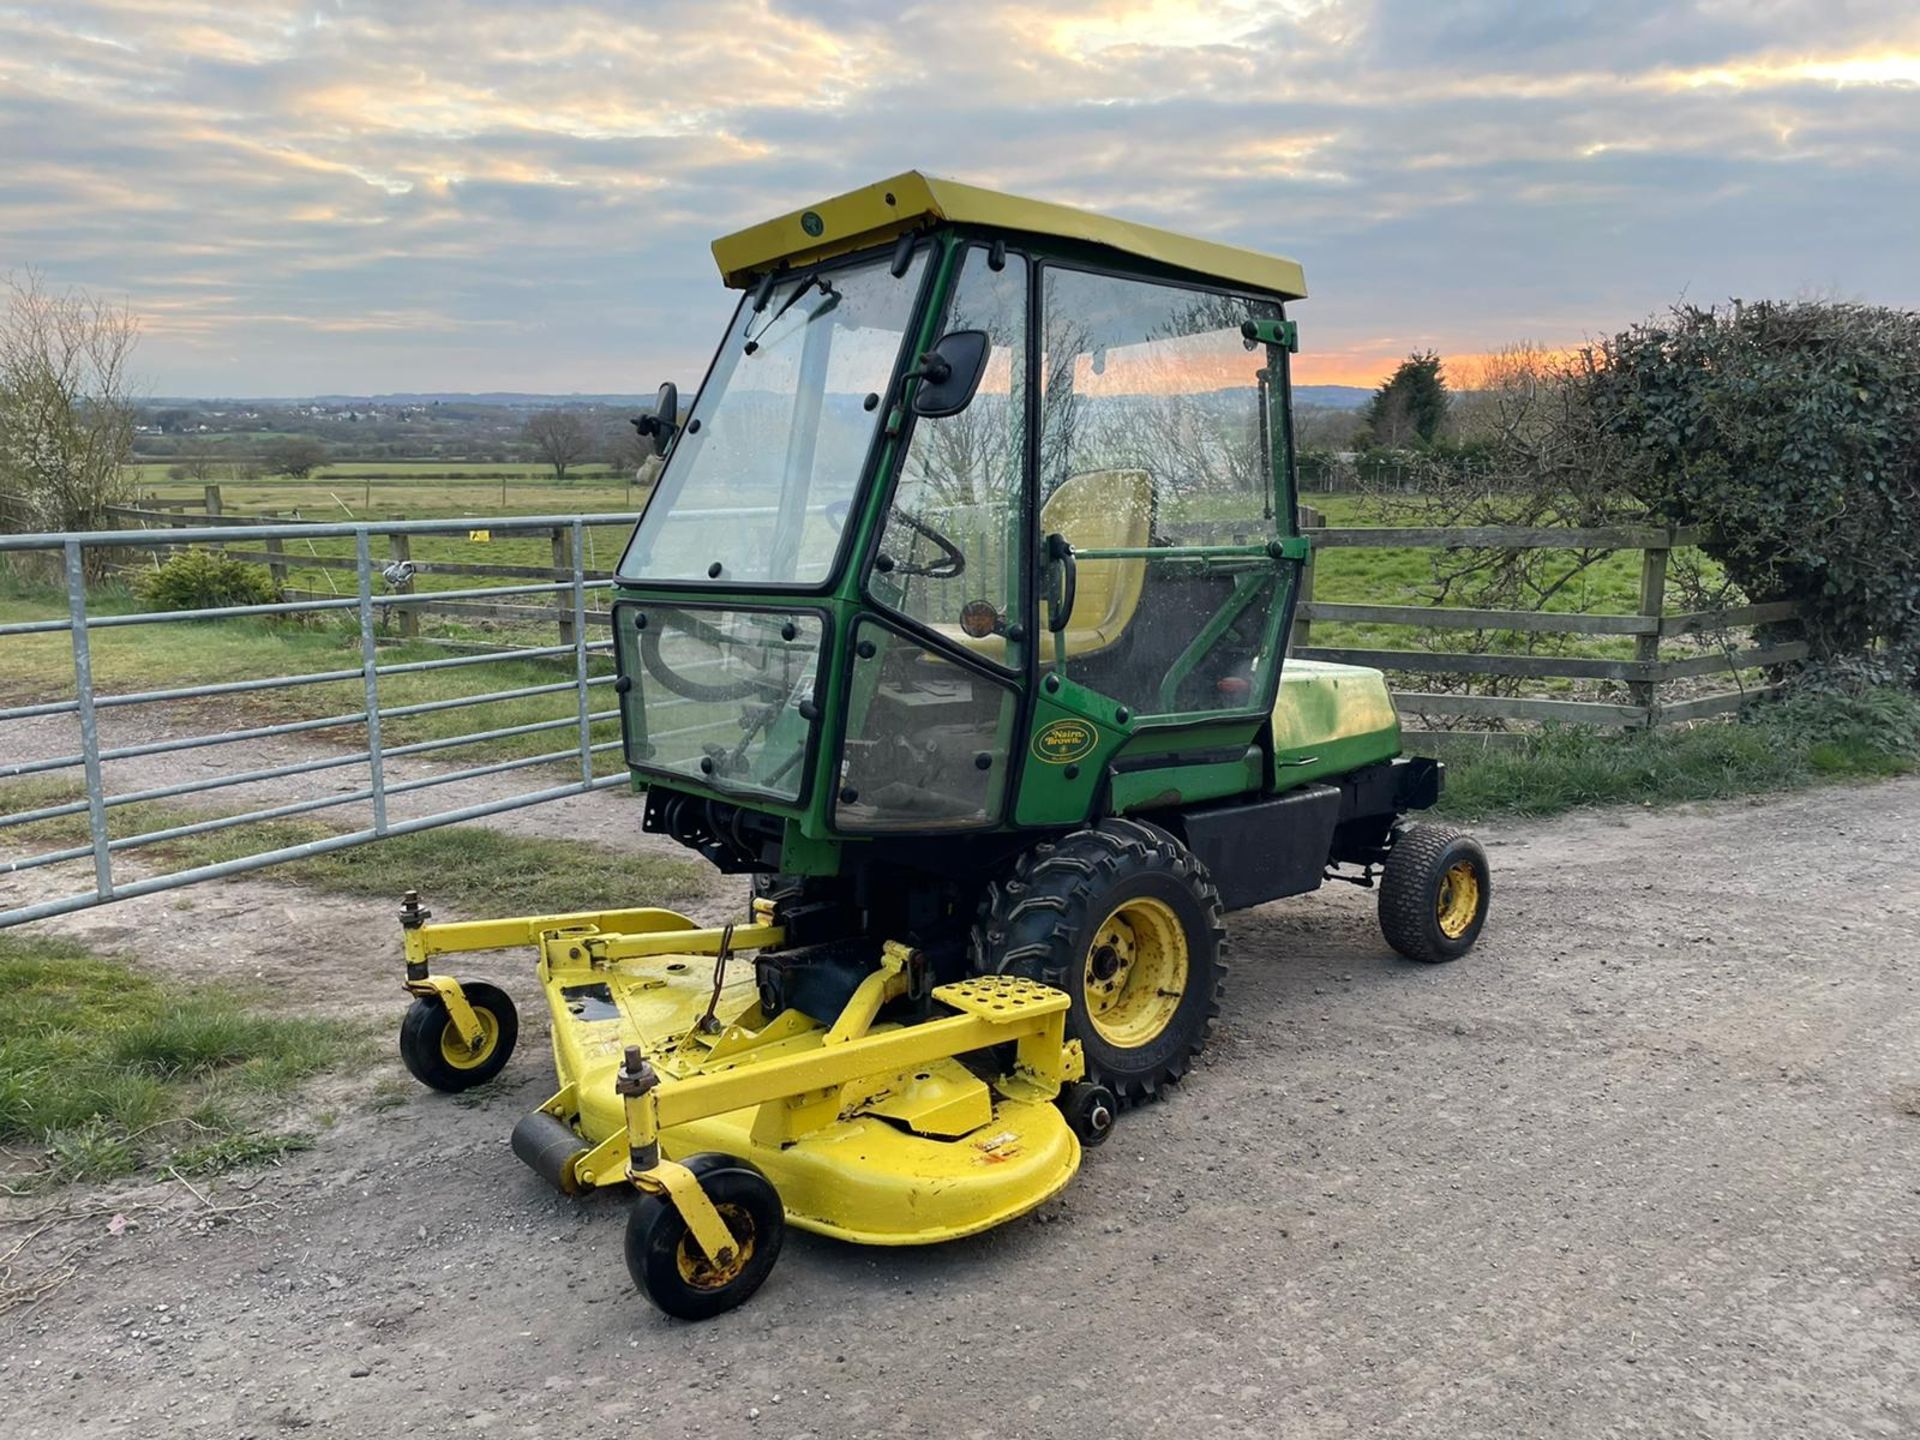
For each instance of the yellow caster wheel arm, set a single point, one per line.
(438, 1055)
(685, 1276)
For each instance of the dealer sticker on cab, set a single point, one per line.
(1064, 741)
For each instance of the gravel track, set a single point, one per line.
(1643, 1164)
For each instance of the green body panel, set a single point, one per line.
(802, 854)
(1167, 786)
(1330, 719)
(1059, 778)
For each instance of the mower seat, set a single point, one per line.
(1094, 510)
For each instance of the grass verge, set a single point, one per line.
(462, 866)
(106, 1071)
(1785, 746)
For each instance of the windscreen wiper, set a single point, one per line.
(812, 279)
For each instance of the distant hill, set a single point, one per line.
(504, 399)
(1332, 397)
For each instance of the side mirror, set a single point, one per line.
(661, 426)
(950, 373)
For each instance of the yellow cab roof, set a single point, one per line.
(877, 213)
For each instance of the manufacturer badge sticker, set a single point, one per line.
(1064, 741)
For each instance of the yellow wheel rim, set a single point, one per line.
(1136, 973)
(454, 1050)
(700, 1272)
(1459, 899)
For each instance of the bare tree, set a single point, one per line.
(562, 438)
(1321, 427)
(1507, 396)
(66, 411)
(1548, 463)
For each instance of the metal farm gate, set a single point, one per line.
(377, 591)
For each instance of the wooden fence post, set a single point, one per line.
(400, 549)
(211, 502)
(563, 570)
(1646, 647)
(276, 568)
(1310, 519)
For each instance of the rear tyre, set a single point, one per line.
(667, 1262)
(1433, 897)
(432, 1050)
(1125, 920)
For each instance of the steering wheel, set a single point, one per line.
(951, 564)
(689, 689)
(834, 512)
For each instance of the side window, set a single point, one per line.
(953, 533)
(1156, 435)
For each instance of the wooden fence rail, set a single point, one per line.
(1642, 676)
(1623, 692)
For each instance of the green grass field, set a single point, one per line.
(160, 471)
(163, 656)
(1351, 576)
(335, 502)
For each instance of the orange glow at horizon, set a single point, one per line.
(1371, 371)
(1211, 361)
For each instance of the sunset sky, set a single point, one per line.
(348, 197)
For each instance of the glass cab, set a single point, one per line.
(924, 485)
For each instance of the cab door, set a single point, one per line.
(938, 668)
(1165, 532)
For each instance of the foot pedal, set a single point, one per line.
(550, 1148)
(1001, 998)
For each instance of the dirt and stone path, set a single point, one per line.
(1647, 1163)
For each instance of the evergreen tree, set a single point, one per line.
(1411, 407)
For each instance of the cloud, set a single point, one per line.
(346, 196)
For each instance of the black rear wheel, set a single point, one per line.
(1433, 897)
(1125, 920)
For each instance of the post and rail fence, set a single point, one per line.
(1642, 676)
(384, 583)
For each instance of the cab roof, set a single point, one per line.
(877, 213)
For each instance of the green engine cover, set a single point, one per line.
(1330, 719)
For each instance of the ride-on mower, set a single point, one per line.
(956, 620)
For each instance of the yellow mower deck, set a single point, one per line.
(870, 1131)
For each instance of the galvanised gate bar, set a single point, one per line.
(72, 554)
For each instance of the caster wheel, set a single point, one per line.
(433, 1051)
(668, 1264)
(1089, 1109)
(1433, 897)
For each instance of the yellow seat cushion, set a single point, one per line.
(1094, 510)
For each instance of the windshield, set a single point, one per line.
(764, 474)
